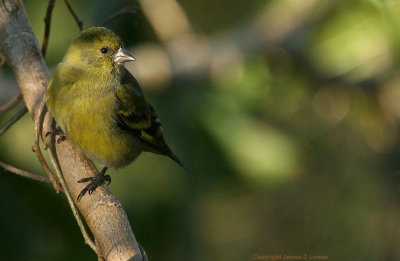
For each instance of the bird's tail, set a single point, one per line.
(176, 159)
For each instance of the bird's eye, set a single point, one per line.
(104, 50)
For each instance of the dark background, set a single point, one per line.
(290, 134)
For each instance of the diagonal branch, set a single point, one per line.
(24, 110)
(47, 23)
(11, 104)
(102, 212)
(36, 148)
(13, 120)
(77, 20)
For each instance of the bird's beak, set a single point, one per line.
(122, 56)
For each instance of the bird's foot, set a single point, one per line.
(95, 181)
(58, 131)
(61, 138)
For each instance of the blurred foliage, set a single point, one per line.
(292, 149)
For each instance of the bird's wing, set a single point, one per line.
(133, 112)
(139, 117)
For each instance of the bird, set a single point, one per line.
(99, 106)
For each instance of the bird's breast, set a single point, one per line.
(93, 130)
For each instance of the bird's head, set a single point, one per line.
(98, 48)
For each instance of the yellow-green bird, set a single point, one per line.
(100, 106)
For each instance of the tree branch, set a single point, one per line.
(13, 120)
(11, 104)
(24, 173)
(77, 20)
(101, 210)
(47, 22)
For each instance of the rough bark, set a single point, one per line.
(101, 210)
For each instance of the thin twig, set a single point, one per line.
(75, 212)
(47, 23)
(10, 104)
(78, 22)
(24, 173)
(13, 120)
(36, 148)
(122, 11)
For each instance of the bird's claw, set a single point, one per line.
(94, 183)
(57, 131)
(61, 139)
